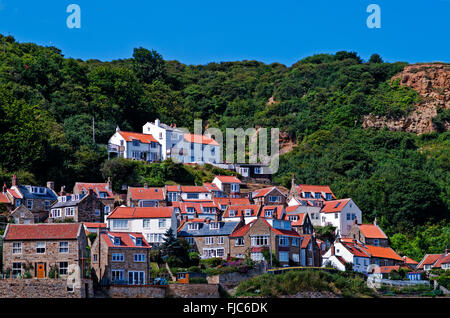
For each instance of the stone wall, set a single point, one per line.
(137, 291)
(232, 279)
(43, 288)
(193, 291)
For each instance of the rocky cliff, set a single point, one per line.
(432, 82)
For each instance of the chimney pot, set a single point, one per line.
(332, 250)
(145, 185)
(4, 188)
(14, 180)
(51, 185)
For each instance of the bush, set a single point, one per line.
(198, 280)
(194, 269)
(211, 262)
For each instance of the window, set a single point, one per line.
(17, 248)
(268, 213)
(239, 241)
(63, 268)
(192, 195)
(220, 240)
(284, 256)
(257, 257)
(190, 240)
(234, 187)
(232, 213)
(376, 242)
(248, 212)
(120, 224)
(47, 205)
(260, 240)
(95, 257)
(214, 226)
(295, 241)
(274, 198)
(18, 202)
(162, 223)
(317, 195)
(103, 194)
(295, 258)
(328, 196)
(40, 247)
(117, 241)
(136, 278)
(307, 195)
(139, 258)
(97, 212)
(283, 241)
(192, 226)
(107, 209)
(17, 269)
(190, 210)
(353, 216)
(146, 223)
(70, 211)
(293, 217)
(348, 216)
(56, 213)
(30, 204)
(172, 196)
(117, 275)
(209, 240)
(136, 143)
(64, 247)
(138, 241)
(117, 257)
(258, 170)
(336, 215)
(155, 238)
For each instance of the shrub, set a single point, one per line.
(198, 280)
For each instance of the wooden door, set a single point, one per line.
(40, 270)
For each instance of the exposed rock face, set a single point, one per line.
(432, 82)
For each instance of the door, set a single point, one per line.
(136, 278)
(40, 270)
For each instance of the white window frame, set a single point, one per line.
(39, 246)
(63, 249)
(17, 248)
(117, 257)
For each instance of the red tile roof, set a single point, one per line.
(299, 222)
(211, 186)
(94, 225)
(334, 206)
(228, 179)
(173, 188)
(356, 249)
(198, 206)
(147, 193)
(97, 187)
(305, 241)
(372, 231)
(409, 260)
(125, 239)
(141, 213)
(194, 189)
(200, 139)
(263, 192)
(130, 136)
(444, 259)
(49, 231)
(383, 252)
(291, 208)
(314, 188)
(4, 198)
(242, 230)
(14, 193)
(429, 259)
(276, 208)
(231, 201)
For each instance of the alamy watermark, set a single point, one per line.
(74, 19)
(374, 20)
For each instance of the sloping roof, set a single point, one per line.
(356, 249)
(225, 228)
(429, 259)
(383, 252)
(211, 186)
(197, 206)
(300, 220)
(263, 192)
(48, 195)
(228, 179)
(67, 203)
(291, 208)
(200, 139)
(231, 201)
(314, 188)
(130, 136)
(444, 259)
(140, 213)
(275, 208)
(94, 225)
(14, 194)
(97, 187)
(372, 231)
(242, 230)
(409, 260)
(282, 231)
(126, 239)
(240, 209)
(4, 198)
(305, 241)
(48, 231)
(146, 193)
(334, 206)
(194, 189)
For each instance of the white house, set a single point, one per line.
(340, 214)
(306, 207)
(249, 212)
(341, 253)
(131, 145)
(177, 193)
(184, 147)
(152, 222)
(230, 185)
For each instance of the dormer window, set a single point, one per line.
(268, 213)
(328, 196)
(190, 210)
(103, 194)
(117, 241)
(214, 226)
(193, 226)
(308, 195)
(248, 212)
(318, 195)
(138, 241)
(232, 213)
(136, 143)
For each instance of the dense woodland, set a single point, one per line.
(48, 103)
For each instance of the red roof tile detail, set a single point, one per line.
(49, 231)
(372, 231)
(334, 206)
(200, 139)
(231, 201)
(240, 209)
(4, 198)
(228, 179)
(147, 194)
(94, 225)
(97, 187)
(125, 239)
(130, 136)
(429, 259)
(141, 213)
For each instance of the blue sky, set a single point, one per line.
(199, 32)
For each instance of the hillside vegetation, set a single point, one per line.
(48, 102)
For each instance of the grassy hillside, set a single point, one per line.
(47, 103)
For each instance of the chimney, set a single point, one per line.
(332, 250)
(375, 221)
(4, 188)
(145, 185)
(51, 185)
(108, 184)
(63, 190)
(117, 128)
(218, 216)
(91, 191)
(157, 122)
(195, 215)
(14, 181)
(446, 251)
